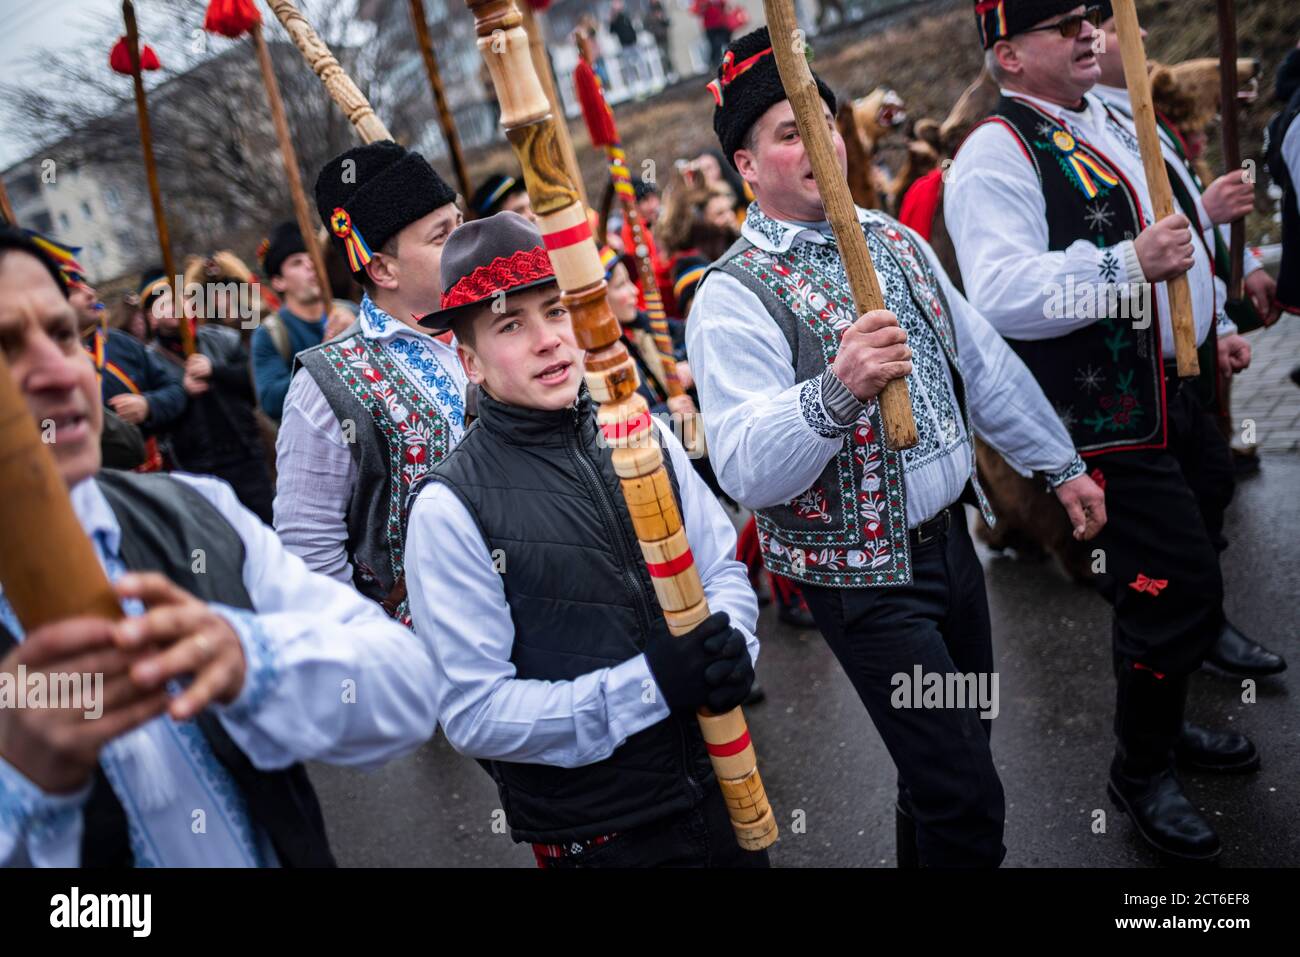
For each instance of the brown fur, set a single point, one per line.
(1030, 519)
(922, 157)
(1187, 95)
(975, 103)
(863, 123)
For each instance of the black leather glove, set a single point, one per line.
(731, 676)
(707, 666)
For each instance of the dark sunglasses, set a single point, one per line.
(1070, 26)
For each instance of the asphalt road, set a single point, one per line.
(1052, 739)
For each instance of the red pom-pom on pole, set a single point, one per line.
(539, 6)
(599, 117)
(231, 18)
(119, 58)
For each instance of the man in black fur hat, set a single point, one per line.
(382, 403)
(788, 376)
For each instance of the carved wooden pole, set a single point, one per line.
(1231, 142)
(542, 65)
(48, 568)
(611, 377)
(445, 119)
(151, 173)
(1138, 81)
(6, 207)
(604, 132)
(801, 89)
(337, 83)
(301, 208)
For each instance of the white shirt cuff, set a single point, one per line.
(29, 817)
(1133, 273)
(262, 670)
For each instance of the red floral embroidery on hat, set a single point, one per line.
(501, 275)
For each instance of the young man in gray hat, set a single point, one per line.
(554, 663)
(385, 401)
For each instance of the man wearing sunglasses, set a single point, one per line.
(1050, 214)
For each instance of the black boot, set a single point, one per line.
(1234, 652)
(1148, 723)
(905, 839)
(1225, 752)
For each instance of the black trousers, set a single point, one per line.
(1164, 510)
(700, 837)
(946, 777)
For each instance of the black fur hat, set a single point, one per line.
(284, 241)
(747, 86)
(368, 194)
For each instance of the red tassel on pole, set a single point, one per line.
(599, 117)
(119, 58)
(231, 18)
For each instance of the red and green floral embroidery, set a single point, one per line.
(1118, 411)
(415, 432)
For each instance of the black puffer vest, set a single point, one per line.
(544, 492)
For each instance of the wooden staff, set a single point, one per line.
(151, 173)
(301, 209)
(1231, 140)
(801, 89)
(440, 97)
(611, 377)
(1138, 81)
(48, 568)
(542, 65)
(337, 83)
(6, 207)
(604, 132)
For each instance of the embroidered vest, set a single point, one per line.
(1105, 380)
(397, 435)
(849, 529)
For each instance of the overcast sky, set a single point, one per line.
(36, 31)
(46, 29)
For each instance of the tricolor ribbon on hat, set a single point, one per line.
(507, 183)
(608, 259)
(1086, 169)
(64, 256)
(358, 252)
(731, 70)
(987, 6)
(688, 279)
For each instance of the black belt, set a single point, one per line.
(933, 528)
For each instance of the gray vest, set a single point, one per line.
(849, 529)
(395, 435)
(163, 522)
